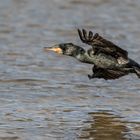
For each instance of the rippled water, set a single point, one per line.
(47, 96)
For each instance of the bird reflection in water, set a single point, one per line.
(104, 126)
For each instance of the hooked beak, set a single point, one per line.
(55, 48)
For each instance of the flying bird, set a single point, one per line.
(109, 60)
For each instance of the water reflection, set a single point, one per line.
(104, 126)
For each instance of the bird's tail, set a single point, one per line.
(135, 66)
(137, 71)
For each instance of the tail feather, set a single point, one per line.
(136, 67)
(133, 63)
(137, 71)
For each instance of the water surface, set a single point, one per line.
(48, 96)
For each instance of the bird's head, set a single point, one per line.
(66, 49)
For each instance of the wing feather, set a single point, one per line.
(100, 44)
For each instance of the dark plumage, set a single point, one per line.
(124, 64)
(99, 44)
(109, 60)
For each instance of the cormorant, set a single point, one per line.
(109, 60)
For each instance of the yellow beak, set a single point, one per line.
(56, 49)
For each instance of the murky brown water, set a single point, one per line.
(47, 96)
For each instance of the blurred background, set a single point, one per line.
(45, 96)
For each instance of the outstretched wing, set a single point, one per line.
(99, 44)
(108, 74)
(114, 74)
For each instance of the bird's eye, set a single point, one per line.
(64, 49)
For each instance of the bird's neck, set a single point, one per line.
(100, 60)
(85, 58)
